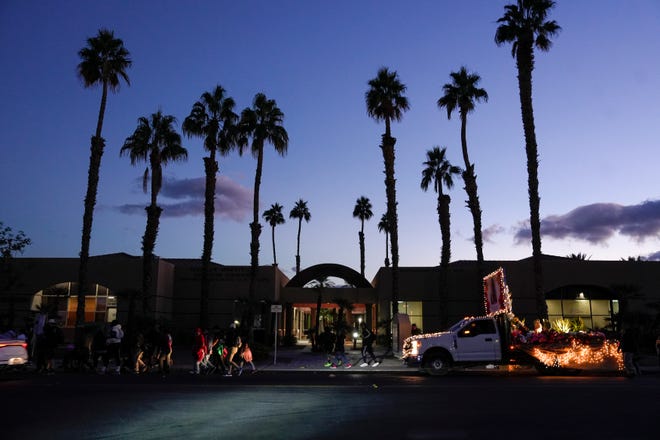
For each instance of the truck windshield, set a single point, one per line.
(458, 325)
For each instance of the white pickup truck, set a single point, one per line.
(471, 341)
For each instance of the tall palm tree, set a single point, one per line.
(525, 25)
(104, 62)
(301, 212)
(156, 142)
(461, 94)
(362, 211)
(383, 226)
(213, 119)
(386, 102)
(274, 217)
(262, 123)
(439, 172)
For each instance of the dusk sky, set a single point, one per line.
(596, 101)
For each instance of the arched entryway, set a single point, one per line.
(319, 292)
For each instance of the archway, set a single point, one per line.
(327, 270)
(313, 297)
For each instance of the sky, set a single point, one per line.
(595, 96)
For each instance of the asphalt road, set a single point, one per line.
(329, 406)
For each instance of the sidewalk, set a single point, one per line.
(301, 359)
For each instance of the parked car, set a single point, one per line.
(13, 352)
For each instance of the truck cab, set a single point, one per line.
(474, 340)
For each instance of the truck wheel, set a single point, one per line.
(438, 365)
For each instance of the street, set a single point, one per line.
(328, 405)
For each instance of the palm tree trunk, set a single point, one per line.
(443, 218)
(274, 255)
(387, 145)
(387, 249)
(148, 245)
(211, 168)
(97, 145)
(470, 180)
(361, 240)
(255, 229)
(298, 247)
(525, 63)
(443, 211)
(318, 317)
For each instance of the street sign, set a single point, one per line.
(276, 308)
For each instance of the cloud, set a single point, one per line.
(232, 200)
(598, 222)
(488, 233)
(653, 257)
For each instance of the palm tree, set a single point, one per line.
(579, 256)
(439, 173)
(524, 25)
(10, 243)
(262, 123)
(383, 226)
(385, 102)
(301, 212)
(362, 211)
(461, 94)
(211, 118)
(156, 142)
(319, 284)
(104, 62)
(274, 217)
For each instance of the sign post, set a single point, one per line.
(277, 309)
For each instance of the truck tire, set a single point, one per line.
(438, 365)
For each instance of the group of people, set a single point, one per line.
(139, 353)
(221, 352)
(333, 343)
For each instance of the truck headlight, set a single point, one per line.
(414, 349)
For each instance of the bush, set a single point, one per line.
(289, 341)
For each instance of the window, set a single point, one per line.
(479, 327)
(414, 311)
(594, 306)
(62, 299)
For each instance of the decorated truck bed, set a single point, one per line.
(501, 338)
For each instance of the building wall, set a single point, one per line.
(177, 286)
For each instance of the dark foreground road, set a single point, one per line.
(330, 406)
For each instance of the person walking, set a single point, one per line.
(340, 351)
(199, 350)
(629, 349)
(52, 338)
(233, 351)
(164, 351)
(367, 347)
(113, 347)
(99, 347)
(246, 358)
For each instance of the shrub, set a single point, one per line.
(289, 341)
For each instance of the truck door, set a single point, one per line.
(479, 341)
